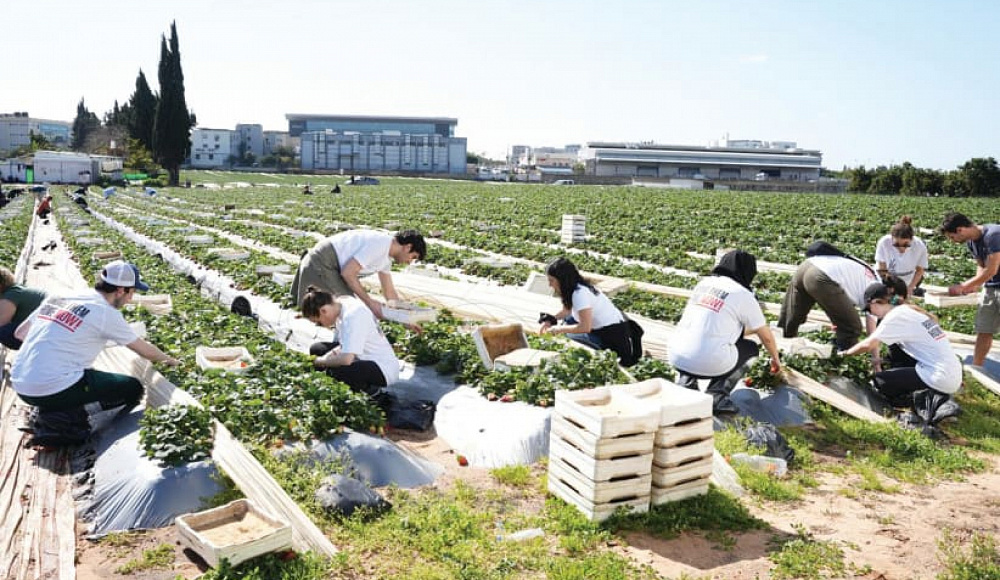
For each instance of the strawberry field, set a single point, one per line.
(497, 234)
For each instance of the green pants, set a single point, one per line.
(111, 390)
(320, 267)
(810, 286)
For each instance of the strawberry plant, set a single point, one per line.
(176, 434)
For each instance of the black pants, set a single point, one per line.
(723, 384)
(361, 375)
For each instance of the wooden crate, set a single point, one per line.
(630, 464)
(596, 512)
(665, 477)
(597, 447)
(234, 359)
(237, 531)
(943, 300)
(675, 403)
(661, 495)
(682, 433)
(684, 453)
(606, 411)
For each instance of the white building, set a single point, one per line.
(748, 161)
(16, 130)
(275, 139)
(62, 167)
(249, 140)
(212, 147)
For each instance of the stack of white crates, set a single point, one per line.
(601, 450)
(684, 445)
(574, 228)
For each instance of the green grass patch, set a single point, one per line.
(273, 567)
(713, 512)
(512, 475)
(975, 559)
(763, 485)
(806, 558)
(158, 558)
(979, 424)
(899, 453)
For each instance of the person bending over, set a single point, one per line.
(17, 302)
(590, 317)
(710, 340)
(362, 359)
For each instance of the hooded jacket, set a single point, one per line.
(739, 265)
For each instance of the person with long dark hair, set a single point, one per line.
(590, 317)
(710, 340)
(362, 359)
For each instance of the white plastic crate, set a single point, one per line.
(235, 359)
(283, 279)
(230, 253)
(156, 304)
(523, 357)
(199, 240)
(407, 313)
(600, 448)
(943, 300)
(683, 453)
(662, 495)
(682, 433)
(675, 403)
(237, 531)
(664, 477)
(607, 411)
(562, 452)
(273, 269)
(601, 492)
(596, 511)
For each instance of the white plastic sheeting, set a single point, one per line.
(492, 434)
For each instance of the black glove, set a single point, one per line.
(546, 317)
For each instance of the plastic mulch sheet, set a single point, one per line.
(781, 407)
(378, 461)
(130, 491)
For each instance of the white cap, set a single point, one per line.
(124, 274)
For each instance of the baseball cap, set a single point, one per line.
(876, 291)
(124, 274)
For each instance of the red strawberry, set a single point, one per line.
(508, 398)
(462, 460)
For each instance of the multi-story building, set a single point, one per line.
(249, 140)
(365, 144)
(733, 160)
(276, 139)
(16, 130)
(212, 147)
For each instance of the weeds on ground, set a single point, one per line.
(902, 454)
(160, 557)
(512, 475)
(273, 567)
(764, 485)
(979, 424)
(807, 558)
(978, 559)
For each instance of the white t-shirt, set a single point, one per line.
(602, 311)
(902, 264)
(361, 336)
(848, 274)
(920, 337)
(66, 335)
(718, 313)
(368, 247)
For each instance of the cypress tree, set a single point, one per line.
(172, 128)
(83, 125)
(142, 112)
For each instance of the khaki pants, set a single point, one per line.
(810, 286)
(320, 268)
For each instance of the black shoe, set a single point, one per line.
(949, 410)
(723, 405)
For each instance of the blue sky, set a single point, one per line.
(864, 82)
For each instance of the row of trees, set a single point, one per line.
(151, 129)
(978, 177)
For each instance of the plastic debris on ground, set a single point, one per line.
(129, 491)
(377, 461)
(781, 407)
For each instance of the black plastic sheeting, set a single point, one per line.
(128, 491)
(781, 407)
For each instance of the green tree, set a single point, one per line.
(138, 159)
(84, 123)
(142, 118)
(859, 179)
(981, 177)
(172, 128)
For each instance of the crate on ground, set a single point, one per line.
(943, 300)
(565, 489)
(199, 240)
(156, 304)
(667, 477)
(273, 269)
(234, 359)
(607, 411)
(574, 228)
(662, 495)
(408, 313)
(674, 403)
(282, 279)
(503, 346)
(623, 464)
(538, 283)
(233, 254)
(237, 531)
(115, 255)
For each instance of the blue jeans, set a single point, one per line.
(585, 338)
